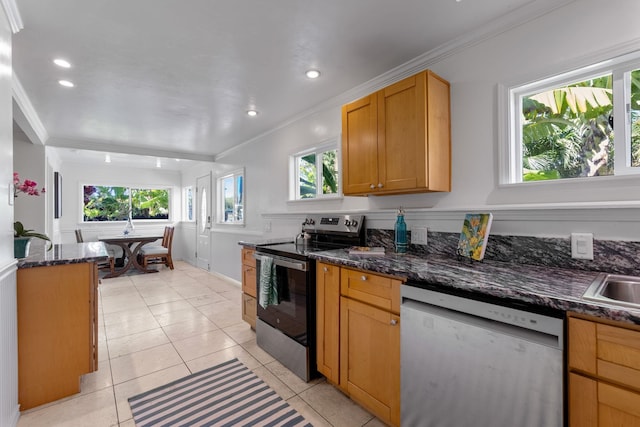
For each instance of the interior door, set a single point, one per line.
(203, 221)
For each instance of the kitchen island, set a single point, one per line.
(57, 320)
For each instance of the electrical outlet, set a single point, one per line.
(267, 226)
(582, 245)
(419, 236)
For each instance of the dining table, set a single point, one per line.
(131, 245)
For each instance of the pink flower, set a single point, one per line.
(28, 187)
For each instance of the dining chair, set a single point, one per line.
(110, 264)
(158, 254)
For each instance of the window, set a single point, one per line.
(188, 204)
(563, 127)
(105, 203)
(315, 173)
(231, 198)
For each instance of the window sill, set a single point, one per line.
(316, 199)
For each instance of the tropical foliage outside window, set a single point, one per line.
(316, 174)
(231, 198)
(108, 203)
(566, 130)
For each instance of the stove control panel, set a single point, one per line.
(350, 224)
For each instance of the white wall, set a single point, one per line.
(74, 176)
(549, 44)
(8, 320)
(29, 162)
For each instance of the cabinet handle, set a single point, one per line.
(379, 185)
(363, 278)
(372, 186)
(393, 322)
(325, 269)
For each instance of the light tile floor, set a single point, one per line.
(156, 328)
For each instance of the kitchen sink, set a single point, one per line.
(615, 289)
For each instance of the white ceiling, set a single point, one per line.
(174, 78)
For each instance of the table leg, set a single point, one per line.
(132, 260)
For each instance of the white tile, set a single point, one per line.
(129, 327)
(213, 359)
(136, 342)
(95, 409)
(203, 344)
(334, 406)
(289, 378)
(97, 380)
(310, 414)
(144, 383)
(182, 330)
(187, 315)
(262, 356)
(144, 362)
(240, 332)
(169, 306)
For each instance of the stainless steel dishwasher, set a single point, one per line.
(473, 363)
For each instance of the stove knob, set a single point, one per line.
(311, 221)
(347, 222)
(354, 222)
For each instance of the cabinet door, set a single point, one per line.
(360, 146)
(249, 310)
(370, 358)
(328, 320)
(249, 283)
(414, 135)
(401, 134)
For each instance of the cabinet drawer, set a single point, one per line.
(247, 257)
(249, 280)
(249, 310)
(606, 351)
(379, 291)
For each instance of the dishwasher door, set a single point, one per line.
(467, 363)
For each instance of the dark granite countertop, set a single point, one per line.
(548, 287)
(72, 253)
(254, 243)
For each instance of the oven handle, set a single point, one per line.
(284, 262)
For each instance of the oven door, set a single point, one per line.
(292, 314)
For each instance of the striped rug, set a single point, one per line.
(226, 395)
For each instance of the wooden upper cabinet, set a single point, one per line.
(360, 146)
(409, 150)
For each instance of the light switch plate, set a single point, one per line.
(419, 236)
(582, 245)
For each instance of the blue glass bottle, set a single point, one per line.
(401, 233)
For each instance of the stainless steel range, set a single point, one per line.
(287, 329)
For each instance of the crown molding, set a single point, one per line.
(13, 15)
(515, 18)
(25, 115)
(109, 147)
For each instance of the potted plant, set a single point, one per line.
(21, 236)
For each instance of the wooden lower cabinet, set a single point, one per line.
(358, 337)
(328, 321)
(249, 310)
(57, 331)
(370, 358)
(249, 290)
(604, 373)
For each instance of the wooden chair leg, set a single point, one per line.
(169, 262)
(112, 265)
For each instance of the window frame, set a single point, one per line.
(129, 188)
(318, 150)
(189, 200)
(509, 106)
(220, 197)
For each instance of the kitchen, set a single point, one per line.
(608, 208)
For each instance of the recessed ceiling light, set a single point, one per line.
(313, 74)
(62, 63)
(158, 163)
(107, 158)
(66, 83)
(252, 113)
